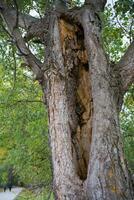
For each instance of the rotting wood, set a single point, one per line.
(80, 104)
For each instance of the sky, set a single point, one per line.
(110, 1)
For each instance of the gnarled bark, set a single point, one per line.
(106, 158)
(62, 103)
(126, 67)
(92, 98)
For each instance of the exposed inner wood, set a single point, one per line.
(78, 93)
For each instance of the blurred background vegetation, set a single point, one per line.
(24, 142)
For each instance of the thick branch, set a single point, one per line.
(29, 58)
(97, 4)
(60, 5)
(24, 20)
(126, 67)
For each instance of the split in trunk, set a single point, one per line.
(84, 97)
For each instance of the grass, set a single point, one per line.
(28, 195)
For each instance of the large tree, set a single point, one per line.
(83, 93)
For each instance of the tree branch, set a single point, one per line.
(24, 20)
(33, 26)
(97, 4)
(126, 67)
(27, 55)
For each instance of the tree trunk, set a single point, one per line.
(83, 95)
(63, 93)
(108, 176)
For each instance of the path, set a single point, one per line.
(10, 195)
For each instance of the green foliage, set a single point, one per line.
(112, 36)
(127, 125)
(28, 5)
(4, 175)
(23, 117)
(124, 6)
(23, 122)
(118, 28)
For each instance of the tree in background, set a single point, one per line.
(24, 131)
(83, 92)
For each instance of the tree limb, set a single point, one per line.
(126, 67)
(27, 55)
(24, 20)
(97, 4)
(34, 27)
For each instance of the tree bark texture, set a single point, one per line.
(84, 97)
(106, 158)
(69, 105)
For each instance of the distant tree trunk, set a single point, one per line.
(83, 93)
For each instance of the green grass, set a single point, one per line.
(28, 195)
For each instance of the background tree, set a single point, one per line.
(24, 134)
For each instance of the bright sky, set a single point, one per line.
(110, 1)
